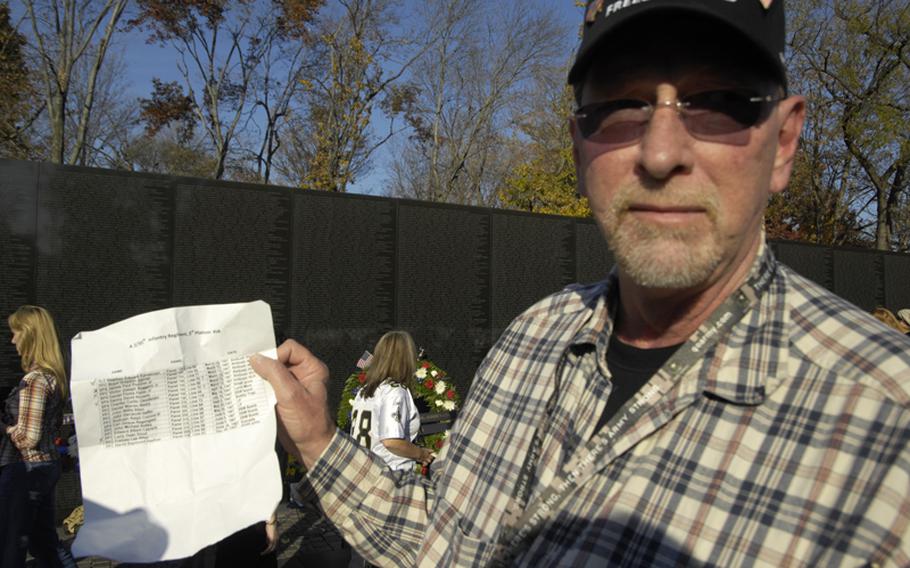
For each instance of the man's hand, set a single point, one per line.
(299, 379)
(426, 457)
(271, 535)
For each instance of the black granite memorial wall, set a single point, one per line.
(97, 246)
(343, 276)
(18, 231)
(103, 247)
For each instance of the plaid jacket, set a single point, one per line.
(785, 446)
(34, 411)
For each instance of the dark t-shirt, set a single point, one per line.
(631, 368)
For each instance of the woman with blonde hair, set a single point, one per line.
(29, 462)
(384, 417)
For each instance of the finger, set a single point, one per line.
(302, 362)
(293, 353)
(282, 381)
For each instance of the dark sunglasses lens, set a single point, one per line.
(717, 113)
(614, 122)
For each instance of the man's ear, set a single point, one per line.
(793, 110)
(577, 140)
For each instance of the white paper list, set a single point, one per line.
(176, 431)
(177, 403)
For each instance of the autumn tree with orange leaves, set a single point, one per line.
(220, 47)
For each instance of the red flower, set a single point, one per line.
(428, 384)
(362, 377)
(424, 471)
(437, 444)
(450, 394)
(426, 365)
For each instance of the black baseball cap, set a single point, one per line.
(760, 22)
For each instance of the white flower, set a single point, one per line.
(433, 373)
(441, 402)
(441, 387)
(421, 373)
(351, 401)
(449, 405)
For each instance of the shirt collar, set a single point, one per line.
(741, 364)
(602, 301)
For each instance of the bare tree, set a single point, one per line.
(64, 32)
(219, 46)
(466, 90)
(820, 203)
(114, 118)
(362, 57)
(854, 56)
(543, 178)
(280, 78)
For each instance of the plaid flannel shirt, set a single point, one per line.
(785, 446)
(37, 417)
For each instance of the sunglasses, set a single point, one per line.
(713, 116)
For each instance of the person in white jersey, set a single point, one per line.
(384, 417)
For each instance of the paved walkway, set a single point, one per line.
(307, 539)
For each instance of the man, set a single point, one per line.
(704, 404)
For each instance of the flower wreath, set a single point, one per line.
(429, 384)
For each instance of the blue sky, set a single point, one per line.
(144, 61)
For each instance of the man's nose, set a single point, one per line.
(666, 145)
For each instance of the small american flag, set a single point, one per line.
(364, 360)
